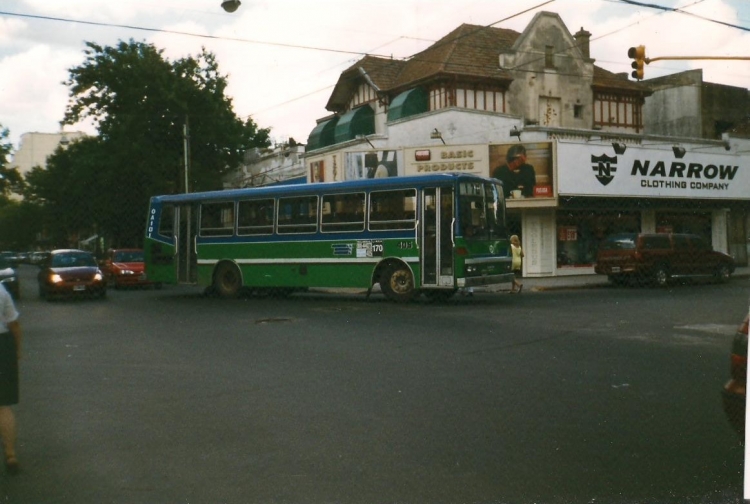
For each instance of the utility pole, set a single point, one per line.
(186, 143)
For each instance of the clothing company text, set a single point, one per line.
(683, 170)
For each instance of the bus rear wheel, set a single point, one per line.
(227, 280)
(397, 283)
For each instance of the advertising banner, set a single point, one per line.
(526, 169)
(596, 170)
(447, 159)
(373, 164)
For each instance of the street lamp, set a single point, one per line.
(230, 5)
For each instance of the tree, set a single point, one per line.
(18, 224)
(73, 190)
(10, 179)
(140, 103)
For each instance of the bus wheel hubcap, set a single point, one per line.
(401, 282)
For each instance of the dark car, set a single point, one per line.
(9, 278)
(125, 268)
(733, 394)
(661, 257)
(69, 272)
(11, 257)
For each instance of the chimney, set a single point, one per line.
(582, 38)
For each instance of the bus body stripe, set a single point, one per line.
(316, 260)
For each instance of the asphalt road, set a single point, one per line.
(599, 395)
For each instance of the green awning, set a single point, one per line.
(360, 121)
(322, 135)
(409, 103)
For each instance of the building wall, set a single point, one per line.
(455, 125)
(547, 87)
(722, 108)
(35, 148)
(674, 111)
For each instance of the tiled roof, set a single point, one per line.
(469, 50)
(608, 80)
(382, 71)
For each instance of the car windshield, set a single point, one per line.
(128, 256)
(72, 259)
(619, 242)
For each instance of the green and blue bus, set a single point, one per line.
(430, 234)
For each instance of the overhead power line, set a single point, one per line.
(680, 11)
(185, 34)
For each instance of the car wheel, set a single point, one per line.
(397, 283)
(722, 274)
(616, 280)
(661, 276)
(227, 280)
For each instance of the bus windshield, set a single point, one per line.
(482, 210)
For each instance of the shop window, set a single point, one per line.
(697, 223)
(580, 232)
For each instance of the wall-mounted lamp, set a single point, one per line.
(619, 147)
(679, 152)
(231, 5)
(436, 134)
(515, 132)
(364, 137)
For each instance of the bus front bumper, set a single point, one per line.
(485, 280)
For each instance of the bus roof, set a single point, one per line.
(332, 187)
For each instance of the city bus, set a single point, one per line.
(430, 234)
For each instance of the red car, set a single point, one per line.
(733, 394)
(71, 272)
(125, 268)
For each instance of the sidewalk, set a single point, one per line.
(590, 281)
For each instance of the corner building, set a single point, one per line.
(600, 164)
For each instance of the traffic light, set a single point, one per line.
(638, 54)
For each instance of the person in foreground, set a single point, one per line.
(515, 245)
(10, 353)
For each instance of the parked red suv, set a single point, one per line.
(660, 258)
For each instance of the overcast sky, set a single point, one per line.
(283, 57)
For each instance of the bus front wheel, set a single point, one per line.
(227, 280)
(397, 283)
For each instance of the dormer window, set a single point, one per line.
(549, 56)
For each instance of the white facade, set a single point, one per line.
(35, 148)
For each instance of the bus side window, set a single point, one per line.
(217, 219)
(255, 217)
(393, 209)
(166, 221)
(298, 214)
(343, 212)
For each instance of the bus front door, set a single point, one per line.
(437, 237)
(186, 226)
